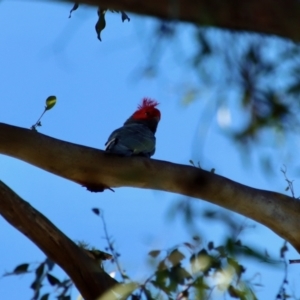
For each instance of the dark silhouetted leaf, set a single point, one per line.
(189, 245)
(76, 5)
(124, 16)
(154, 253)
(40, 270)
(96, 211)
(53, 280)
(101, 23)
(148, 295)
(210, 245)
(45, 296)
(50, 264)
(23, 268)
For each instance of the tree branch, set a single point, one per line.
(280, 17)
(86, 274)
(95, 168)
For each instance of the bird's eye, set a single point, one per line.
(147, 113)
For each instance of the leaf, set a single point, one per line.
(175, 257)
(124, 16)
(189, 245)
(191, 162)
(50, 263)
(76, 5)
(96, 211)
(53, 280)
(120, 291)
(64, 298)
(50, 102)
(234, 293)
(161, 266)
(40, 270)
(23, 268)
(179, 274)
(196, 238)
(36, 285)
(45, 296)
(154, 253)
(148, 295)
(101, 23)
(161, 280)
(210, 245)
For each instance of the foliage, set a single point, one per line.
(101, 23)
(50, 102)
(190, 270)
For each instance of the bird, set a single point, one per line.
(137, 135)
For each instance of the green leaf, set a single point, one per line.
(179, 274)
(23, 268)
(175, 257)
(53, 280)
(154, 253)
(50, 102)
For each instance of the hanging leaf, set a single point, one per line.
(124, 16)
(53, 280)
(100, 25)
(76, 5)
(96, 211)
(50, 102)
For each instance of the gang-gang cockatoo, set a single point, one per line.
(137, 136)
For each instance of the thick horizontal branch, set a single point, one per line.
(94, 168)
(280, 17)
(86, 274)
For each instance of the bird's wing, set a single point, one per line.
(131, 139)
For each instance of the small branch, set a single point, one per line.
(112, 249)
(294, 261)
(86, 274)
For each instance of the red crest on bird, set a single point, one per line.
(147, 110)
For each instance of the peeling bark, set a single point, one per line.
(92, 167)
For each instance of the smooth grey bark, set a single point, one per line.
(97, 169)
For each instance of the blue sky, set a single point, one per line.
(98, 85)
